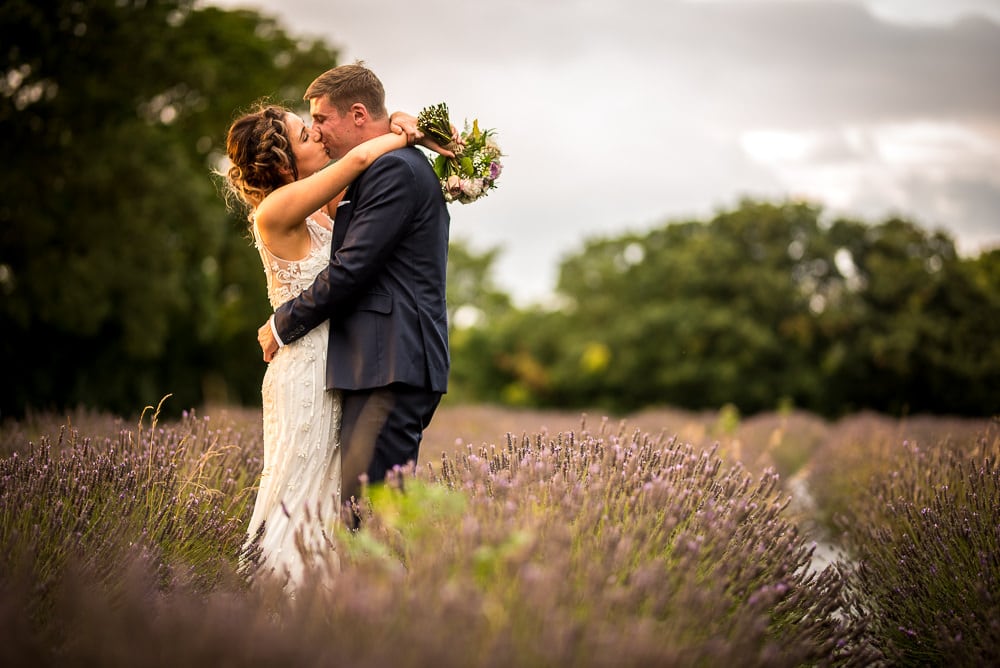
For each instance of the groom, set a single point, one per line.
(383, 290)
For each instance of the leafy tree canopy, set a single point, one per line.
(123, 276)
(762, 306)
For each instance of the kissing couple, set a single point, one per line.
(355, 253)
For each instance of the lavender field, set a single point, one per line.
(520, 539)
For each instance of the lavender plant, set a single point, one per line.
(862, 448)
(176, 497)
(566, 547)
(589, 547)
(927, 545)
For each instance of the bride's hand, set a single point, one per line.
(265, 337)
(403, 123)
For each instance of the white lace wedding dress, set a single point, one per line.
(298, 499)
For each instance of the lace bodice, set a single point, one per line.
(287, 278)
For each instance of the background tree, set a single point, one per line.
(701, 314)
(123, 276)
(762, 306)
(477, 308)
(915, 328)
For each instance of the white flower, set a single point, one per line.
(472, 188)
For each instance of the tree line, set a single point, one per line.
(764, 306)
(123, 277)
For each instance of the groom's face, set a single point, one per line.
(338, 131)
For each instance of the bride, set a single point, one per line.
(281, 172)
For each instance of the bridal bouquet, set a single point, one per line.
(474, 170)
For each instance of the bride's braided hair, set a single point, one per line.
(260, 153)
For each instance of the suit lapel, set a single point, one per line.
(342, 220)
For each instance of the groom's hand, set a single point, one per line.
(265, 337)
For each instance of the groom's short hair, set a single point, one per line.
(346, 84)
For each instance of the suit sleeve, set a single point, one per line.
(384, 199)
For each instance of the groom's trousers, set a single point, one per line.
(380, 429)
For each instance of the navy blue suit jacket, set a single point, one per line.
(384, 289)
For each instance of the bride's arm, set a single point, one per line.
(291, 203)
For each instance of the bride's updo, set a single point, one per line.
(260, 153)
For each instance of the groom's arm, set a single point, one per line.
(383, 204)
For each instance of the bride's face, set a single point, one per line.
(307, 145)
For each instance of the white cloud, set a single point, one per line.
(775, 147)
(936, 146)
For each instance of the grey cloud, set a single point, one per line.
(813, 63)
(784, 62)
(623, 113)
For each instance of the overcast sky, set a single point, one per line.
(621, 115)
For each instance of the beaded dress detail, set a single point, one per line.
(298, 498)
